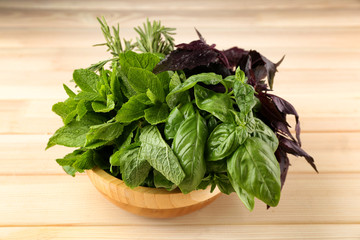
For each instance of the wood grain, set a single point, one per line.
(306, 199)
(42, 42)
(187, 232)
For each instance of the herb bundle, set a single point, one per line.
(187, 118)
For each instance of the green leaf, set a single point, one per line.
(89, 96)
(223, 183)
(255, 169)
(130, 59)
(216, 166)
(68, 91)
(103, 133)
(82, 108)
(86, 80)
(69, 170)
(101, 107)
(74, 134)
(177, 98)
(245, 197)
(218, 104)
(70, 158)
(86, 161)
(244, 93)
(157, 114)
(142, 80)
(207, 78)
(115, 84)
(222, 142)
(160, 155)
(132, 110)
(212, 123)
(160, 181)
(64, 109)
(265, 133)
(188, 145)
(173, 123)
(175, 118)
(134, 169)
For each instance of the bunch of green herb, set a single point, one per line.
(170, 128)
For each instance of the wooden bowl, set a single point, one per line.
(150, 202)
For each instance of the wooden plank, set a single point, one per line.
(181, 5)
(57, 59)
(245, 37)
(333, 152)
(188, 18)
(63, 200)
(200, 232)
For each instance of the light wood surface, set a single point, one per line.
(41, 42)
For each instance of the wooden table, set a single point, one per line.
(41, 42)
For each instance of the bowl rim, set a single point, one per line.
(118, 182)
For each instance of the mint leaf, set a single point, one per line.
(99, 135)
(157, 114)
(86, 80)
(160, 181)
(101, 107)
(159, 154)
(81, 109)
(68, 91)
(130, 59)
(142, 80)
(134, 169)
(86, 161)
(176, 98)
(132, 110)
(74, 134)
(89, 96)
(64, 109)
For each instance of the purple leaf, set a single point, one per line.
(293, 148)
(287, 108)
(284, 163)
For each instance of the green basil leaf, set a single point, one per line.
(265, 133)
(223, 183)
(175, 118)
(222, 142)
(176, 98)
(245, 197)
(218, 104)
(160, 155)
(212, 123)
(216, 166)
(74, 134)
(86, 80)
(132, 110)
(188, 145)
(255, 169)
(173, 123)
(207, 78)
(157, 114)
(142, 80)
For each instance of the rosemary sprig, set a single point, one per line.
(153, 37)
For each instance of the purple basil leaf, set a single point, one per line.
(284, 163)
(287, 108)
(268, 109)
(293, 148)
(283, 129)
(234, 56)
